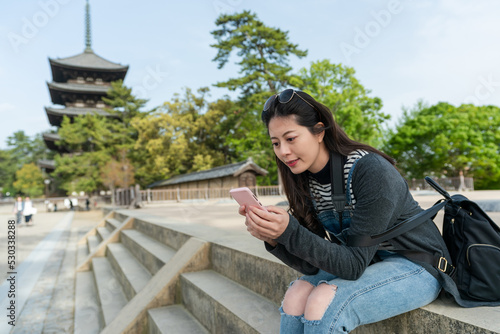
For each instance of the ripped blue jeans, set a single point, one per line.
(387, 288)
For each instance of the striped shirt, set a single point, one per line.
(320, 183)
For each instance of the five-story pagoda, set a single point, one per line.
(78, 84)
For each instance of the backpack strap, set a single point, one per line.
(403, 227)
(337, 179)
(437, 261)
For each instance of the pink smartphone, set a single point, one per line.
(244, 196)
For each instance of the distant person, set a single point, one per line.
(29, 210)
(18, 210)
(71, 207)
(87, 204)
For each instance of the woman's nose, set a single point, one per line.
(284, 150)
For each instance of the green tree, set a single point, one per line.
(185, 135)
(263, 53)
(25, 149)
(335, 86)
(22, 150)
(445, 140)
(21, 146)
(81, 172)
(86, 133)
(8, 167)
(263, 59)
(117, 174)
(123, 104)
(29, 180)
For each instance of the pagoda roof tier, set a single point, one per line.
(48, 165)
(61, 93)
(50, 140)
(55, 115)
(88, 59)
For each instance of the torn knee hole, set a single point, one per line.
(319, 300)
(296, 296)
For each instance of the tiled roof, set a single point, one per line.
(48, 164)
(217, 172)
(73, 111)
(51, 136)
(88, 59)
(81, 88)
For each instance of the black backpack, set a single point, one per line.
(473, 241)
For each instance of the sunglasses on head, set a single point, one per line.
(283, 97)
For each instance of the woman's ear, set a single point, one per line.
(319, 130)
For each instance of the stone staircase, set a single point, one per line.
(135, 276)
(148, 274)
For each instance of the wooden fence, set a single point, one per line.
(448, 183)
(160, 195)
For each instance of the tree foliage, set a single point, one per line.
(445, 140)
(335, 86)
(8, 167)
(25, 149)
(185, 135)
(29, 180)
(118, 173)
(22, 149)
(263, 53)
(86, 133)
(81, 172)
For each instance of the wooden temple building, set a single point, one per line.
(78, 84)
(240, 174)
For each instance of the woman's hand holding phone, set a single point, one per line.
(243, 211)
(267, 225)
(264, 223)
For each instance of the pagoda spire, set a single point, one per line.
(88, 40)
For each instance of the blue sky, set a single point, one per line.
(402, 51)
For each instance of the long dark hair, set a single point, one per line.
(336, 140)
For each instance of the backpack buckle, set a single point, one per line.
(443, 264)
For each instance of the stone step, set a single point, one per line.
(103, 233)
(224, 306)
(112, 224)
(120, 217)
(150, 252)
(249, 270)
(132, 275)
(93, 242)
(109, 290)
(244, 262)
(82, 253)
(88, 316)
(173, 319)
(170, 237)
